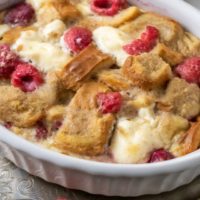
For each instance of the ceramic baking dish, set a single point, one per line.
(103, 178)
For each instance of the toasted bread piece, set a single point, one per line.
(170, 31)
(83, 66)
(182, 98)
(85, 131)
(188, 45)
(56, 9)
(114, 79)
(147, 71)
(168, 55)
(25, 109)
(56, 112)
(188, 141)
(13, 34)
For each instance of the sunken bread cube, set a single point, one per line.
(147, 71)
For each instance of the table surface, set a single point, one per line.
(15, 184)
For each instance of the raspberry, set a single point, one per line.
(151, 34)
(41, 131)
(190, 70)
(160, 155)
(109, 102)
(26, 77)
(21, 14)
(137, 47)
(145, 44)
(107, 7)
(77, 38)
(8, 125)
(8, 61)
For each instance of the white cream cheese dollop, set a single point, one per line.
(46, 56)
(135, 139)
(3, 29)
(111, 40)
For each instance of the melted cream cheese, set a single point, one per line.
(3, 29)
(44, 55)
(37, 3)
(135, 139)
(84, 8)
(111, 40)
(54, 30)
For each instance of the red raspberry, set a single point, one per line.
(26, 77)
(107, 7)
(145, 44)
(8, 125)
(41, 131)
(8, 61)
(160, 155)
(21, 14)
(109, 102)
(190, 70)
(77, 38)
(137, 47)
(151, 34)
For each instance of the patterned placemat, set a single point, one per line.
(16, 184)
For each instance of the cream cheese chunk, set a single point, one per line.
(3, 29)
(45, 56)
(135, 139)
(54, 30)
(37, 3)
(111, 40)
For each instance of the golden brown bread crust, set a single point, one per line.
(25, 109)
(170, 30)
(57, 9)
(188, 45)
(167, 54)
(114, 79)
(85, 131)
(66, 9)
(147, 71)
(181, 98)
(124, 16)
(187, 141)
(13, 34)
(83, 66)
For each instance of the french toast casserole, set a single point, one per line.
(100, 80)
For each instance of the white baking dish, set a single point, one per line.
(103, 178)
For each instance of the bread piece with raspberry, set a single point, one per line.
(182, 98)
(170, 31)
(85, 130)
(147, 71)
(25, 109)
(93, 21)
(83, 66)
